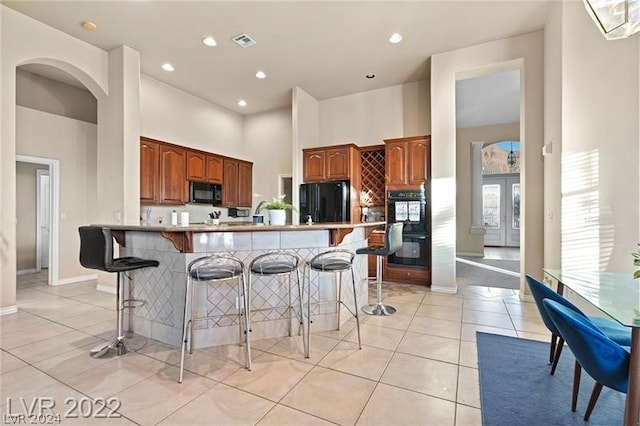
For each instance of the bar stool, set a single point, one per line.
(212, 269)
(96, 252)
(393, 243)
(334, 261)
(277, 264)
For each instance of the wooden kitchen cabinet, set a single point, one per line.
(245, 183)
(331, 163)
(173, 173)
(203, 167)
(149, 171)
(314, 165)
(214, 168)
(407, 161)
(162, 173)
(237, 183)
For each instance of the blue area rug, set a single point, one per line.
(517, 389)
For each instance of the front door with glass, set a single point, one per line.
(501, 210)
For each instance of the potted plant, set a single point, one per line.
(276, 210)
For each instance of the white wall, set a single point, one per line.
(524, 52)
(174, 116)
(268, 138)
(553, 52)
(37, 92)
(600, 113)
(74, 144)
(26, 182)
(305, 113)
(366, 118)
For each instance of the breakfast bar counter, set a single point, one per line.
(163, 288)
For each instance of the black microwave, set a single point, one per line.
(205, 193)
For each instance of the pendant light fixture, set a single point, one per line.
(616, 19)
(512, 158)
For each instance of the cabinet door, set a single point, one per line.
(230, 183)
(149, 172)
(214, 169)
(338, 163)
(313, 165)
(418, 162)
(196, 166)
(172, 175)
(395, 163)
(245, 184)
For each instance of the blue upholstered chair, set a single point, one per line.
(615, 331)
(602, 358)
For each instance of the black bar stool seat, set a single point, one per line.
(393, 243)
(96, 252)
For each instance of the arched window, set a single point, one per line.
(501, 157)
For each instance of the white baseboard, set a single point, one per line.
(106, 288)
(26, 271)
(74, 280)
(8, 310)
(469, 254)
(449, 290)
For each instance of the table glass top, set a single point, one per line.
(616, 294)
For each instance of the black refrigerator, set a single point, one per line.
(325, 202)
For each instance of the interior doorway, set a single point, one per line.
(51, 167)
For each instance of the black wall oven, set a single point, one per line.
(410, 207)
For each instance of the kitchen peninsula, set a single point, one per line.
(163, 288)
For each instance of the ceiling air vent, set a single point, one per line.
(244, 40)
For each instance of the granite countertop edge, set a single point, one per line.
(201, 227)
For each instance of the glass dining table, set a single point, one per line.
(617, 295)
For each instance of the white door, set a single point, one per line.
(43, 206)
(501, 210)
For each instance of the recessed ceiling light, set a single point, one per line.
(89, 26)
(261, 74)
(242, 103)
(395, 38)
(168, 67)
(209, 41)
(370, 76)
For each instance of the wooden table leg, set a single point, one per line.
(632, 405)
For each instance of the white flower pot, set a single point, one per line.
(277, 217)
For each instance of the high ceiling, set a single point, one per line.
(326, 48)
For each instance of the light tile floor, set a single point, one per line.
(416, 367)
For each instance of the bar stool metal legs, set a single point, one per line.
(336, 262)
(278, 264)
(379, 308)
(213, 269)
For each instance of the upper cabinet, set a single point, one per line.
(149, 171)
(173, 182)
(203, 167)
(407, 161)
(237, 190)
(166, 169)
(162, 173)
(332, 163)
